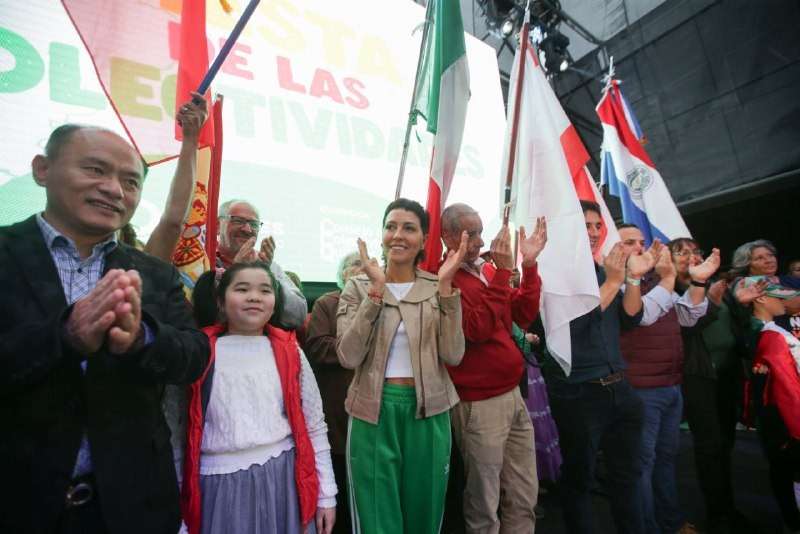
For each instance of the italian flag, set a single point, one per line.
(441, 99)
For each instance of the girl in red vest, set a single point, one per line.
(257, 456)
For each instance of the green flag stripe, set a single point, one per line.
(445, 44)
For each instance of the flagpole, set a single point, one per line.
(410, 122)
(515, 120)
(215, 174)
(227, 47)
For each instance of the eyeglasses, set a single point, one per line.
(254, 224)
(686, 253)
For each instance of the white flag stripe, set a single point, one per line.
(654, 199)
(612, 237)
(453, 99)
(543, 186)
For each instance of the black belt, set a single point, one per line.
(608, 380)
(80, 491)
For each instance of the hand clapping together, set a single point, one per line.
(111, 312)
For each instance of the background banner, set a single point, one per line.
(317, 95)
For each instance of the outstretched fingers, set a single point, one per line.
(362, 251)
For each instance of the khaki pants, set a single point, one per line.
(495, 437)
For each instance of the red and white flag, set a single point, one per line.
(587, 189)
(549, 168)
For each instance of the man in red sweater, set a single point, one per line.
(491, 424)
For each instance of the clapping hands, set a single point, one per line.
(112, 311)
(451, 265)
(531, 246)
(614, 264)
(371, 267)
(665, 269)
(705, 270)
(640, 264)
(248, 253)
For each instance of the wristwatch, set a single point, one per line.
(699, 284)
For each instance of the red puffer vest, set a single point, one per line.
(287, 360)
(654, 353)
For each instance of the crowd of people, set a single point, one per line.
(128, 409)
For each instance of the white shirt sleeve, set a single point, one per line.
(658, 302)
(318, 433)
(655, 305)
(688, 312)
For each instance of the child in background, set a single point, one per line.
(778, 357)
(257, 454)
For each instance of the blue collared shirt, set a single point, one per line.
(78, 277)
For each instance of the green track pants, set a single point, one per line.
(398, 468)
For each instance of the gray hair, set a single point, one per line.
(742, 256)
(344, 264)
(451, 217)
(225, 207)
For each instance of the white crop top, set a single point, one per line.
(398, 364)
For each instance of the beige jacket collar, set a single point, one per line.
(426, 285)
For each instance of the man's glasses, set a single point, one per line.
(254, 224)
(685, 253)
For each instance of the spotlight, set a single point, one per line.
(507, 28)
(505, 16)
(554, 48)
(512, 22)
(501, 8)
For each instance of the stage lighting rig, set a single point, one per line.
(504, 19)
(554, 49)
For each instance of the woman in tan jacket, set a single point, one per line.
(397, 327)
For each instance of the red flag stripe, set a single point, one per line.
(433, 247)
(214, 183)
(611, 113)
(193, 64)
(574, 151)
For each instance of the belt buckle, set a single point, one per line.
(79, 494)
(610, 379)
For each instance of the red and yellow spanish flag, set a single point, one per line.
(197, 246)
